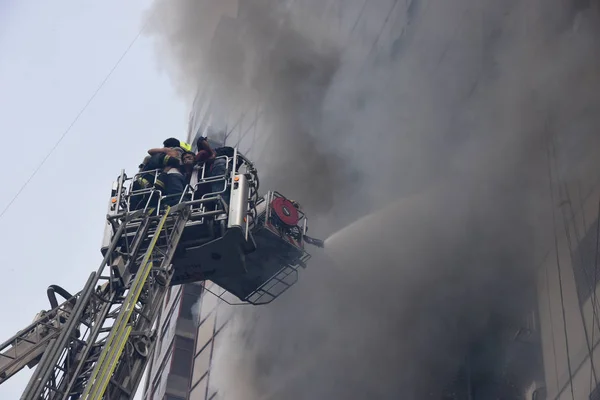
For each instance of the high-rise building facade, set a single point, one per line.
(552, 354)
(169, 369)
(192, 318)
(212, 320)
(568, 287)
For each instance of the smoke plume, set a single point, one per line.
(433, 122)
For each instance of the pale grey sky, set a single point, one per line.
(53, 56)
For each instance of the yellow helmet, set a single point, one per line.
(185, 146)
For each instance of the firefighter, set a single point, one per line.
(171, 148)
(173, 180)
(185, 146)
(176, 143)
(162, 158)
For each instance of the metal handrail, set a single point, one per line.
(126, 191)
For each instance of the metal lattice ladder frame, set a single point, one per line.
(114, 315)
(27, 346)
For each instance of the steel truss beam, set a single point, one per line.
(96, 345)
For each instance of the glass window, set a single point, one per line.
(222, 317)
(199, 391)
(182, 362)
(162, 370)
(184, 343)
(168, 326)
(167, 296)
(209, 302)
(193, 289)
(161, 384)
(584, 264)
(205, 332)
(201, 364)
(218, 340)
(165, 347)
(182, 356)
(188, 302)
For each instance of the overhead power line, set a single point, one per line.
(66, 132)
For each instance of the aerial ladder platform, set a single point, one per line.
(96, 343)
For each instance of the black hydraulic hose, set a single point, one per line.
(42, 373)
(255, 173)
(53, 290)
(251, 169)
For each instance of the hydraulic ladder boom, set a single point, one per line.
(27, 346)
(97, 343)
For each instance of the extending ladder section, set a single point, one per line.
(96, 345)
(26, 347)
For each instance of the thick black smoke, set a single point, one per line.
(448, 122)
